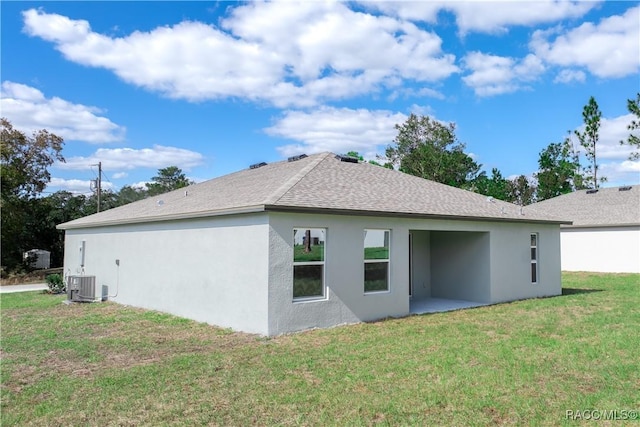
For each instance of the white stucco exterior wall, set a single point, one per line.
(460, 265)
(213, 270)
(345, 300)
(237, 271)
(601, 249)
(511, 250)
(421, 265)
(493, 256)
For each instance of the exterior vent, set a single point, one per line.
(347, 159)
(295, 158)
(83, 289)
(627, 188)
(594, 191)
(258, 165)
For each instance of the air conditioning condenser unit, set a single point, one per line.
(84, 289)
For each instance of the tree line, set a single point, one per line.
(430, 149)
(29, 217)
(423, 147)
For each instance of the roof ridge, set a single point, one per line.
(288, 184)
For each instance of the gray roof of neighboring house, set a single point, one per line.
(317, 183)
(606, 207)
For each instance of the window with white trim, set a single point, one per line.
(376, 260)
(308, 263)
(534, 257)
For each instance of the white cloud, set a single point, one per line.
(76, 186)
(429, 93)
(568, 76)
(142, 185)
(624, 173)
(120, 175)
(421, 110)
(610, 48)
(612, 157)
(612, 131)
(119, 159)
(338, 130)
(29, 110)
(494, 75)
(424, 92)
(488, 17)
(281, 53)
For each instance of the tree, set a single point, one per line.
(633, 105)
(497, 186)
(168, 179)
(108, 200)
(371, 162)
(59, 207)
(430, 149)
(356, 155)
(129, 194)
(589, 140)
(559, 171)
(24, 163)
(522, 192)
(26, 159)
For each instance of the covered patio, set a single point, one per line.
(448, 270)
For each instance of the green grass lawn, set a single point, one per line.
(523, 363)
(316, 254)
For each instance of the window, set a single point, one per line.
(534, 257)
(376, 260)
(308, 263)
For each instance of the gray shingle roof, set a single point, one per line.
(320, 182)
(607, 207)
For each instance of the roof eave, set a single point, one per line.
(352, 212)
(576, 226)
(161, 218)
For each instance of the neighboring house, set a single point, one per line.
(605, 235)
(315, 241)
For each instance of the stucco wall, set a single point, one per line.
(510, 251)
(460, 265)
(421, 263)
(211, 270)
(345, 300)
(237, 271)
(607, 250)
(498, 253)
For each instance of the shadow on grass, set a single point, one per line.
(573, 291)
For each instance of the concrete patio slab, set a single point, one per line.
(437, 305)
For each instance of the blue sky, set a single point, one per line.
(213, 87)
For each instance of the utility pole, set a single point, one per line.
(98, 185)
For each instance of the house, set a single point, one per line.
(605, 235)
(314, 241)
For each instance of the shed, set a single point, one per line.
(38, 258)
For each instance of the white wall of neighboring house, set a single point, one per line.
(212, 270)
(601, 249)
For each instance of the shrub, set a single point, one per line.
(55, 283)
